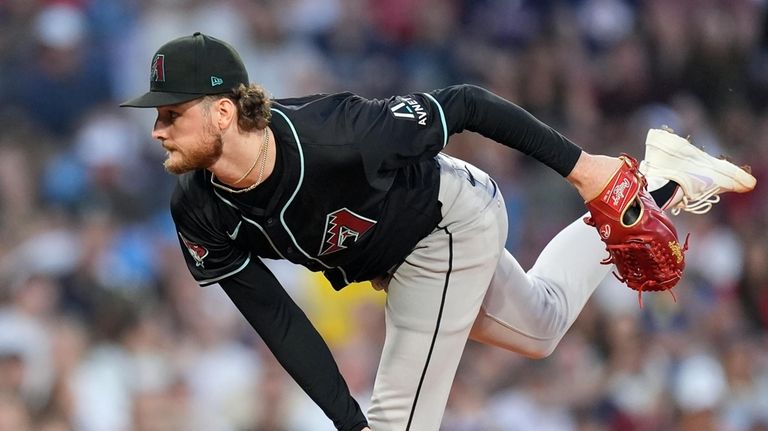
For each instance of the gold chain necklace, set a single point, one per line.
(248, 172)
(262, 168)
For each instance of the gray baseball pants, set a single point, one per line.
(460, 283)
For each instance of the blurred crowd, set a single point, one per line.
(103, 329)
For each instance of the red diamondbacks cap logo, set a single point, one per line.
(342, 229)
(158, 68)
(197, 251)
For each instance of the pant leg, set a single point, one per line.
(433, 299)
(530, 312)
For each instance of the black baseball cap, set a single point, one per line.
(190, 67)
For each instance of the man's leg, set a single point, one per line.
(433, 299)
(530, 312)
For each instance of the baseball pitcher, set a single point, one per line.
(360, 190)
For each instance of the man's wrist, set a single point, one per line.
(592, 173)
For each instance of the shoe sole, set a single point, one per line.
(680, 149)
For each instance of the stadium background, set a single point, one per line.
(103, 329)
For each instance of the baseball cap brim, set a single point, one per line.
(152, 99)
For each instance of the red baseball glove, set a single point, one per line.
(640, 239)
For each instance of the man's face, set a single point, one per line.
(188, 134)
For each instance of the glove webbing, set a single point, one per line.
(636, 254)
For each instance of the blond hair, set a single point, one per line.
(253, 106)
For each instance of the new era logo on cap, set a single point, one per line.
(215, 80)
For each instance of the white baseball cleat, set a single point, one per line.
(702, 177)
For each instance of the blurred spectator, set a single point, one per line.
(25, 341)
(13, 414)
(61, 78)
(753, 285)
(699, 388)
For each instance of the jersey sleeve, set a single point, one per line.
(201, 226)
(468, 107)
(396, 131)
(297, 346)
(408, 129)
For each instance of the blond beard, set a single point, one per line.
(203, 156)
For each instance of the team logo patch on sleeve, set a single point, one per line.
(342, 229)
(197, 251)
(408, 108)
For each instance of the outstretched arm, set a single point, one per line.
(295, 343)
(468, 107)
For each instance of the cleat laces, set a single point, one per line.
(701, 204)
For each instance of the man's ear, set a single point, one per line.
(225, 113)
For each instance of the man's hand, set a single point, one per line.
(592, 173)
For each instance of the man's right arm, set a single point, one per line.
(293, 340)
(468, 107)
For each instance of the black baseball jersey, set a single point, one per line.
(355, 187)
